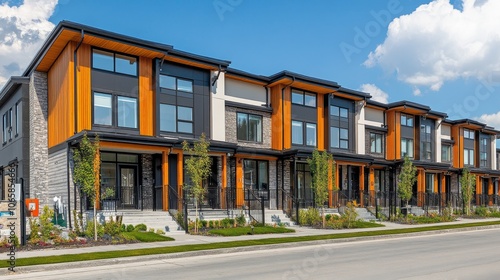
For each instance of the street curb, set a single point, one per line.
(125, 260)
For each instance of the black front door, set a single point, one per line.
(128, 186)
(213, 186)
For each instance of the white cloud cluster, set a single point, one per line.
(23, 29)
(438, 43)
(376, 93)
(490, 119)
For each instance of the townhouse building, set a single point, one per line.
(143, 99)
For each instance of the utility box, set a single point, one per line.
(32, 207)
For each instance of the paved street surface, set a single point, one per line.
(457, 255)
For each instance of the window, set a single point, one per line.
(468, 134)
(339, 138)
(18, 118)
(406, 120)
(375, 143)
(339, 112)
(379, 176)
(426, 141)
(249, 127)
(126, 110)
(429, 182)
(483, 152)
(114, 62)
(176, 118)
(304, 182)
(298, 133)
(406, 147)
(256, 174)
(445, 153)
(174, 83)
(303, 98)
(7, 126)
(468, 157)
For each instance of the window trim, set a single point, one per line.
(406, 146)
(381, 143)
(303, 93)
(176, 119)
(449, 152)
(469, 157)
(257, 171)
(470, 133)
(176, 89)
(304, 133)
(248, 127)
(114, 62)
(114, 110)
(407, 117)
(18, 118)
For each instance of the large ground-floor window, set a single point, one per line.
(256, 175)
(119, 173)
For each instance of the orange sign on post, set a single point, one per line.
(32, 205)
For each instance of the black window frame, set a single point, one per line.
(18, 118)
(177, 120)
(469, 155)
(407, 117)
(337, 124)
(305, 134)
(426, 142)
(470, 134)
(304, 93)
(114, 110)
(412, 147)
(449, 153)
(376, 135)
(257, 173)
(114, 62)
(261, 132)
(483, 150)
(176, 83)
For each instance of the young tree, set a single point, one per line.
(468, 183)
(319, 165)
(198, 168)
(407, 179)
(86, 173)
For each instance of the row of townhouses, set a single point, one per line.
(144, 99)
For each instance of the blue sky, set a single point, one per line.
(440, 53)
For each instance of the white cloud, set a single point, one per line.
(23, 29)
(491, 120)
(376, 93)
(416, 91)
(438, 43)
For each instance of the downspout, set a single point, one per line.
(75, 78)
(217, 77)
(267, 96)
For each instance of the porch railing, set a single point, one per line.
(255, 204)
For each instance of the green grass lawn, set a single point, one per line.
(146, 236)
(248, 230)
(231, 244)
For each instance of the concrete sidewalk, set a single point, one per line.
(185, 239)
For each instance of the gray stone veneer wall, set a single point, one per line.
(58, 176)
(272, 184)
(147, 181)
(38, 151)
(231, 135)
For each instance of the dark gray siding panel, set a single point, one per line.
(407, 132)
(108, 81)
(304, 113)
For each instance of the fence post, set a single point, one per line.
(185, 208)
(297, 211)
(262, 208)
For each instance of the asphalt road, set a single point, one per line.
(461, 255)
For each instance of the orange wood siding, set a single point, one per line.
(479, 185)
(287, 126)
(239, 183)
(321, 122)
(443, 183)
(164, 174)
(397, 135)
(146, 97)
(224, 181)
(457, 147)
(371, 185)
(391, 136)
(276, 118)
(361, 184)
(84, 90)
(436, 183)
(60, 123)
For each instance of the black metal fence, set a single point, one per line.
(255, 204)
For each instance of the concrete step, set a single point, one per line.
(276, 217)
(152, 219)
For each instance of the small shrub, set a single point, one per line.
(140, 227)
(309, 217)
(350, 214)
(130, 228)
(481, 211)
(160, 232)
(241, 220)
(227, 222)
(89, 230)
(113, 228)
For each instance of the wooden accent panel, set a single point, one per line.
(60, 123)
(490, 190)
(321, 121)
(238, 156)
(390, 149)
(436, 185)
(361, 185)
(164, 174)
(443, 183)
(276, 118)
(287, 126)
(330, 182)
(479, 185)
(397, 136)
(56, 48)
(371, 180)
(84, 90)
(131, 147)
(180, 174)
(239, 183)
(457, 149)
(146, 97)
